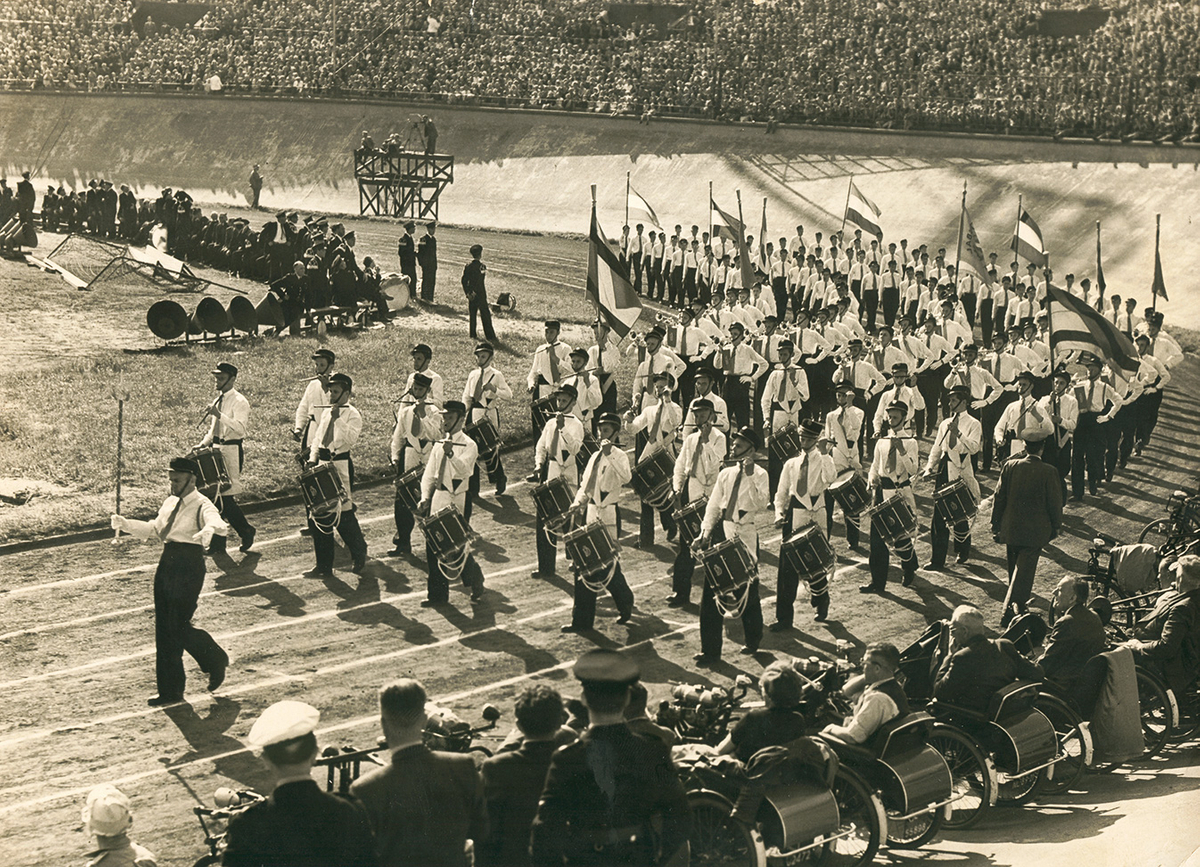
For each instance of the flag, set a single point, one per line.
(640, 210)
(863, 213)
(763, 264)
(735, 230)
(608, 286)
(1159, 288)
(973, 252)
(1076, 326)
(1027, 240)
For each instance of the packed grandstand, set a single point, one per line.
(973, 65)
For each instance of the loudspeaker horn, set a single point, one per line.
(210, 317)
(167, 319)
(242, 314)
(269, 312)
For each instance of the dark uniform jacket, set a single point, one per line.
(423, 806)
(472, 280)
(1028, 507)
(427, 253)
(407, 251)
(1077, 636)
(300, 826)
(970, 676)
(1172, 635)
(512, 787)
(602, 793)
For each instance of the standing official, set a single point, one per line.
(444, 485)
(406, 249)
(427, 259)
(485, 387)
(230, 414)
(256, 183)
(739, 494)
(474, 286)
(186, 523)
(554, 457)
(418, 427)
(336, 434)
(958, 439)
(696, 468)
(551, 361)
(843, 427)
(893, 468)
(800, 503)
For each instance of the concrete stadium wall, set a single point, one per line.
(532, 170)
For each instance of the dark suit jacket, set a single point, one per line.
(1172, 635)
(1028, 506)
(473, 280)
(602, 793)
(1077, 636)
(300, 826)
(971, 675)
(407, 250)
(427, 252)
(512, 786)
(423, 806)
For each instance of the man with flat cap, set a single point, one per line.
(958, 439)
(406, 249)
(186, 523)
(485, 388)
(612, 797)
(444, 485)
(427, 259)
(738, 496)
(422, 355)
(554, 457)
(230, 414)
(607, 472)
(893, 468)
(475, 288)
(336, 434)
(418, 427)
(799, 504)
(298, 824)
(551, 362)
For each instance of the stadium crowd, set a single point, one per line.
(978, 65)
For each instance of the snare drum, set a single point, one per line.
(688, 519)
(785, 443)
(213, 477)
(445, 533)
(729, 567)
(322, 488)
(651, 479)
(893, 520)
(852, 494)
(591, 550)
(954, 503)
(590, 446)
(408, 488)
(485, 435)
(553, 500)
(807, 553)
(543, 411)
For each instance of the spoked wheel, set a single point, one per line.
(1156, 711)
(970, 773)
(915, 832)
(716, 839)
(1018, 790)
(1156, 533)
(1073, 744)
(1189, 716)
(861, 815)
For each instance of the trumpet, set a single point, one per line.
(668, 318)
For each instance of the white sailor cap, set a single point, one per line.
(283, 721)
(106, 813)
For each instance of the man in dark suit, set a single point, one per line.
(512, 781)
(298, 825)
(474, 287)
(407, 251)
(424, 805)
(1077, 636)
(1026, 516)
(427, 259)
(976, 668)
(612, 797)
(1168, 638)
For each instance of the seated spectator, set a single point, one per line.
(512, 780)
(298, 824)
(106, 817)
(1077, 636)
(779, 723)
(975, 669)
(424, 805)
(880, 698)
(1168, 638)
(639, 723)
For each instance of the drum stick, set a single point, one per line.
(121, 395)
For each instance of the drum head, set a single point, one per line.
(396, 286)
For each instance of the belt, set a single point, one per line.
(323, 454)
(220, 442)
(170, 544)
(889, 485)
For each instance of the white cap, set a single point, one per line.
(284, 721)
(106, 813)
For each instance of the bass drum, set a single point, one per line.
(399, 293)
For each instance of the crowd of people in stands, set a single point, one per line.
(976, 65)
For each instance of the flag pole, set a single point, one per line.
(742, 219)
(762, 243)
(710, 204)
(962, 216)
(1154, 289)
(626, 198)
(1099, 288)
(849, 187)
(1016, 245)
(595, 303)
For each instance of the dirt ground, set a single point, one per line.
(76, 652)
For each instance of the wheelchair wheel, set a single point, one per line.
(716, 839)
(970, 773)
(862, 815)
(1072, 743)
(1157, 714)
(1018, 790)
(1189, 716)
(915, 832)
(1156, 533)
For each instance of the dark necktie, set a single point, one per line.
(327, 440)
(553, 362)
(731, 506)
(217, 420)
(171, 520)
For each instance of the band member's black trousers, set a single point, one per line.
(177, 585)
(1089, 453)
(350, 531)
(583, 609)
(851, 521)
(712, 624)
(232, 514)
(787, 584)
(939, 531)
(437, 586)
(930, 384)
(989, 415)
(547, 551)
(879, 558)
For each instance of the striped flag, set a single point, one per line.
(608, 286)
(863, 213)
(640, 210)
(735, 230)
(972, 251)
(1076, 326)
(1027, 240)
(725, 226)
(763, 264)
(1100, 284)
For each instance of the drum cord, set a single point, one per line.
(328, 526)
(601, 586)
(738, 608)
(451, 566)
(661, 500)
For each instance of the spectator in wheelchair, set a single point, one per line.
(1168, 638)
(879, 697)
(779, 723)
(976, 668)
(1076, 636)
